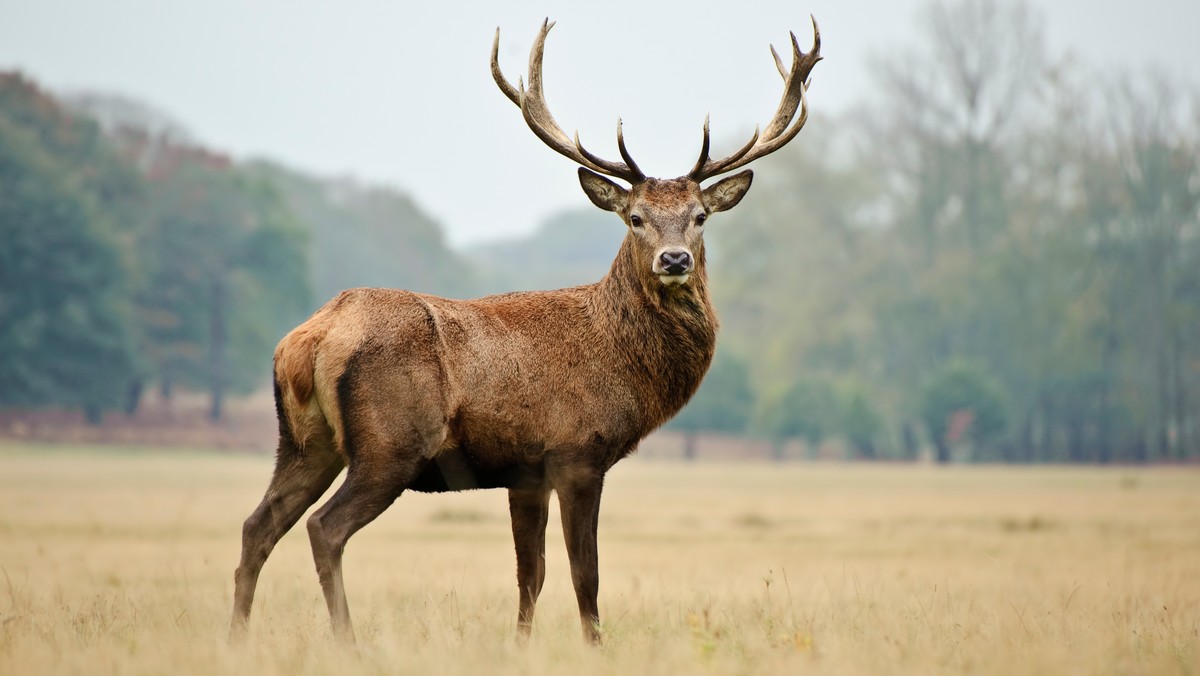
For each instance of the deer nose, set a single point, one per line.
(676, 261)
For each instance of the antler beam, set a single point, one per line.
(777, 132)
(532, 103)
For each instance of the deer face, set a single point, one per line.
(666, 217)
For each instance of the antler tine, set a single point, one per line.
(532, 102)
(791, 99)
(777, 132)
(633, 167)
(711, 168)
(703, 151)
(783, 72)
(628, 171)
(816, 37)
(509, 91)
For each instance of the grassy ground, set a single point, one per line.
(121, 561)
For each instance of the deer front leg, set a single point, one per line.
(529, 509)
(579, 504)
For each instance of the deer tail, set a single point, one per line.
(295, 361)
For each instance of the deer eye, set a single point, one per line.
(635, 221)
(700, 218)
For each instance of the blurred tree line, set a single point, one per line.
(132, 257)
(995, 257)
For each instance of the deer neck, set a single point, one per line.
(666, 334)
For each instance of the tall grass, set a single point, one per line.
(121, 562)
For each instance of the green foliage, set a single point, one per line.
(1023, 224)
(858, 419)
(962, 399)
(571, 248)
(789, 264)
(64, 308)
(225, 269)
(79, 148)
(131, 259)
(816, 408)
(807, 410)
(723, 402)
(366, 236)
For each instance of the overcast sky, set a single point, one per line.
(400, 92)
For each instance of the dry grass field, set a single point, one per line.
(121, 561)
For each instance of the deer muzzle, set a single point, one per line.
(674, 265)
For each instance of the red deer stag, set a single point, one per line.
(533, 392)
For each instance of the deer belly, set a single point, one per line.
(455, 470)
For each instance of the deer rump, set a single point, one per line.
(480, 390)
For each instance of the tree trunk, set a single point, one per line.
(1104, 427)
(689, 446)
(866, 449)
(1140, 453)
(1049, 422)
(217, 346)
(909, 440)
(133, 397)
(1075, 442)
(942, 455)
(1183, 440)
(777, 448)
(1024, 450)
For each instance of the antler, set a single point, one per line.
(777, 133)
(537, 115)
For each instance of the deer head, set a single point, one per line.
(666, 218)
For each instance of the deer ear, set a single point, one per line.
(726, 193)
(603, 192)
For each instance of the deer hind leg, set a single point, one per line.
(392, 422)
(300, 478)
(530, 509)
(363, 496)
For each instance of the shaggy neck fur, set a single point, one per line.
(665, 334)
